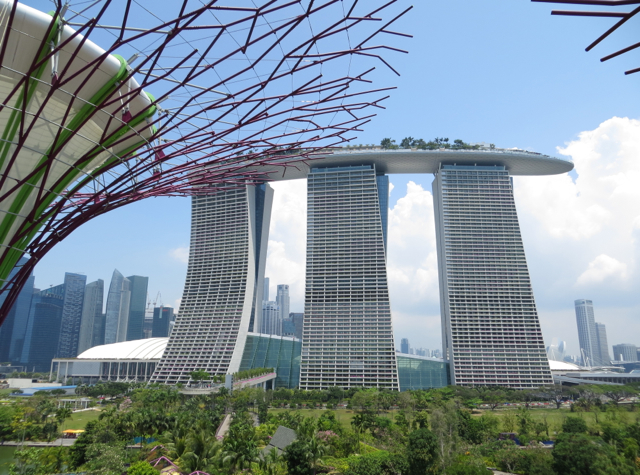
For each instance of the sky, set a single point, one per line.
(499, 71)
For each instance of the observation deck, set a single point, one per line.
(414, 161)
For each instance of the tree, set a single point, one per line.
(494, 399)
(297, 461)
(199, 376)
(574, 425)
(422, 451)
(406, 142)
(618, 393)
(106, 459)
(26, 462)
(444, 424)
(387, 143)
(141, 468)
(578, 454)
(62, 414)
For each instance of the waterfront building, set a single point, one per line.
(92, 325)
(587, 335)
(491, 332)
(284, 301)
(404, 346)
(222, 296)
(74, 285)
(137, 307)
(162, 318)
(347, 333)
(625, 352)
(603, 346)
(271, 319)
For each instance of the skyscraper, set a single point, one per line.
(404, 346)
(12, 331)
(271, 319)
(587, 335)
(117, 309)
(74, 285)
(123, 315)
(162, 317)
(603, 346)
(347, 335)
(265, 292)
(491, 332)
(43, 328)
(222, 296)
(283, 301)
(137, 307)
(92, 326)
(625, 352)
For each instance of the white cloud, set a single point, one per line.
(176, 305)
(602, 268)
(180, 254)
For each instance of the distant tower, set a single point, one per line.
(404, 346)
(113, 307)
(283, 301)
(625, 352)
(137, 307)
(92, 326)
(587, 335)
(271, 321)
(162, 318)
(74, 285)
(265, 292)
(603, 346)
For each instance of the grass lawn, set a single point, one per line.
(344, 416)
(5, 392)
(80, 419)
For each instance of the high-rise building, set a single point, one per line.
(283, 301)
(298, 319)
(587, 335)
(74, 285)
(112, 309)
(404, 346)
(162, 317)
(137, 307)
(12, 331)
(265, 292)
(491, 332)
(347, 336)
(43, 329)
(556, 351)
(271, 319)
(603, 347)
(222, 296)
(123, 314)
(92, 326)
(625, 352)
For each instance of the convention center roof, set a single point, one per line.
(146, 349)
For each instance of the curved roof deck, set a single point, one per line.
(412, 161)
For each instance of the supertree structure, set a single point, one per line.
(209, 97)
(622, 18)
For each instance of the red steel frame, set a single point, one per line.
(622, 16)
(255, 126)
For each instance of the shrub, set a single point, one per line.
(574, 425)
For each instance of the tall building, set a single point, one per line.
(117, 309)
(491, 332)
(587, 335)
(162, 317)
(283, 300)
(298, 319)
(625, 352)
(123, 314)
(603, 346)
(222, 295)
(265, 292)
(271, 319)
(404, 346)
(137, 307)
(92, 326)
(556, 350)
(347, 334)
(12, 331)
(74, 285)
(43, 329)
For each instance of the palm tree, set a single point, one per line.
(237, 457)
(315, 450)
(203, 453)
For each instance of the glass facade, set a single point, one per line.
(421, 373)
(281, 353)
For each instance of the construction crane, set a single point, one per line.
(154, 304)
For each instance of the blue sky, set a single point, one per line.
(498, 71)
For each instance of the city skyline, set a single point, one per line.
(579, 217)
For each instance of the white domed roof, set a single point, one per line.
(563, 366)
(146, 349)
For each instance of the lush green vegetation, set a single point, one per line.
(435, 144)
(458, 431)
